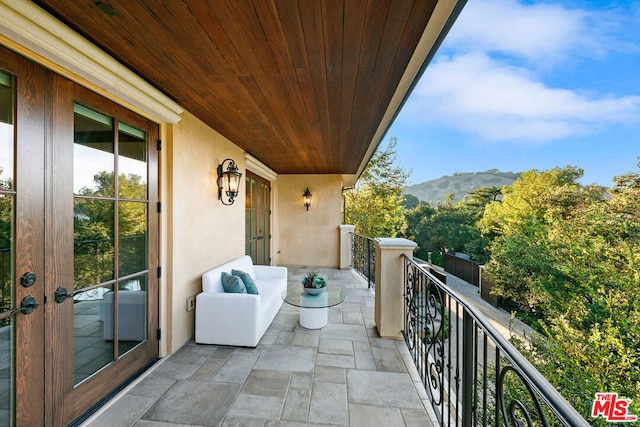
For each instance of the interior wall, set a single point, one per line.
(309, 238)
(201, 232)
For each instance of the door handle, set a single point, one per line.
(27, 306)
(62, 294)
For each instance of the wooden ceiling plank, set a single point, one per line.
(333, 13)
(277, 35)
(376, 12)
(291, 21)
(312, 19)
(215, 34)
(354, 24)
(273, 98)
(383, 82)
(300, 84)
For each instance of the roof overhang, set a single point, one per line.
(302, 86)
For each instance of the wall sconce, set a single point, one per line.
(228, 181)
(307, 198)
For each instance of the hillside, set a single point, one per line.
(459, 184)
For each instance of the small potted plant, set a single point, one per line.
(313, 284)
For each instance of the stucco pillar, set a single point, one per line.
(389, 302)
(345, 245)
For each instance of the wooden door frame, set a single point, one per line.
(43, 244)
(68, 401)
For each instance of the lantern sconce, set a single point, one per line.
(307, 198)
(228, 181)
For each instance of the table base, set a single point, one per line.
(314, 318)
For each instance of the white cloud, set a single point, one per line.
(499, 102)
(541, 32)
(477, 88)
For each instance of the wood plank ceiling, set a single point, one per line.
(302, 85)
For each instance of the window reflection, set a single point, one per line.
(92, 351)
(132, 313)
(132, 162)
(110, 295)
(132, 240)
(7, 202)
(93, 251)
(93, 155)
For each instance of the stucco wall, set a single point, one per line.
(201, 232)
(308, 238)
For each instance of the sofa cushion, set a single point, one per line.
(248, 282)
(232, 284)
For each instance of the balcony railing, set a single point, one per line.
(472, 374)
(363, 257)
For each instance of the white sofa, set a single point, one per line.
(238, 319)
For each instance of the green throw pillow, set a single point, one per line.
(232, 284)
(249, 284)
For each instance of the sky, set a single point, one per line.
(521, 85)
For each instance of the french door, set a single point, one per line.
(257, 218)
(78, 245)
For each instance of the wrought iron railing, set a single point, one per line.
(363, 257)
(472, 374)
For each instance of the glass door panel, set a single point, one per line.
(110, 310)
(93, 153)
(132, 313)
(7, 200)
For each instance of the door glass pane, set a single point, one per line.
(132, 313)
(93, 251)
(6, 132)
(132, 239)
(110, 221)
(7, 202)
(93, 156)
(132, 162)
(6, 299)
(92, 331)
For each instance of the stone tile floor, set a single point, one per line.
(343, 374)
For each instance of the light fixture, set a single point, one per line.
(228, 181)
(307, 198)
(106, 8)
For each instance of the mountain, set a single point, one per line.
(460, 184)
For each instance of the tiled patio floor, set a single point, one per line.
(343, 374)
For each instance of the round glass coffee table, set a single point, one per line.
(314, 312)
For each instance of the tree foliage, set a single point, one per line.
(374, 204)
(450, 227)
(569, 256)
(95, 227)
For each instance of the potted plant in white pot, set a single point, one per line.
(313, 283)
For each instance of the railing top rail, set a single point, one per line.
(564, 411)
(362, 236)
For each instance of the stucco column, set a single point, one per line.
(345, 245)
(389, 302)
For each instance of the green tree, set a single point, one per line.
(418, 228)
(374, 204)
(450, 227)
(94, 229)
(569, 255)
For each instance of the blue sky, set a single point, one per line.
(520, 85)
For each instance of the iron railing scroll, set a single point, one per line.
(363, 257)
(472, 374)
